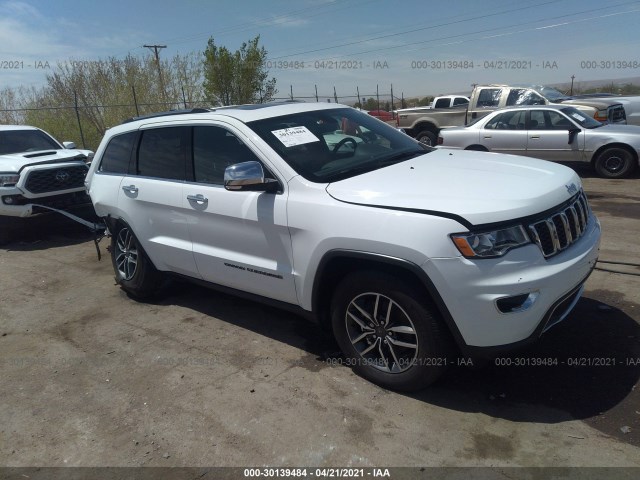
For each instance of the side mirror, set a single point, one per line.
(573, 132)
(69, 145)
(248, 176)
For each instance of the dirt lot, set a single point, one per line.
(90, 377)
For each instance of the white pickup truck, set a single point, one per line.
(450, 101)
(35, 171)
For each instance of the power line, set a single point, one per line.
(406, 32)
(501, 28)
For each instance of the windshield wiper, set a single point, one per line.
(398, 157)
(369, 167)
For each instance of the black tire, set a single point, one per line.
(427, 137)
(615, 162)
(5, 237)
(403, 319)
(133, 270)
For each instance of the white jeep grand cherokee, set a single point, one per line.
(407, 253)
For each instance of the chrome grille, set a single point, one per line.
(56, 179)
(616, 114)
(563, 228)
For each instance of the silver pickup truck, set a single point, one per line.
(424, 125)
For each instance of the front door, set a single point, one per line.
(549, 137)
(240, 238)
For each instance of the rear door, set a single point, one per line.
(506, 133)
(151, 197)
(240, 238)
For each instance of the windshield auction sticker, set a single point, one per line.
(290, 137)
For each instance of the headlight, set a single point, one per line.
(8, 179)
(494, 243)
(601, 116)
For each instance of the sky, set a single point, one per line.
(418, 48)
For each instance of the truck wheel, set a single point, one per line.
(133, 270)
(615, 162)
(427, 137)
(386, 333)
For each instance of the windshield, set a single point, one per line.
(19, 141)
(329, 145)
(551, 94)
(585, 121)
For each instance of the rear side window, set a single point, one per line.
(460, 101)
(116, 156)
(489, 97)
(161, 153)
(442, 103)
(507, 121)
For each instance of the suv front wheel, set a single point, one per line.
(134, 271)
(388, 332)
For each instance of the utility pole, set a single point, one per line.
(572, 77)
(155, 49)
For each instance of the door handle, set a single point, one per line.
(488, 136)
(199, 199)
(535, 136)
(130, 188)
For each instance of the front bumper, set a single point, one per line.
(24, 207)
(471, 290)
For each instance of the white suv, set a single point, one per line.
(407, 253)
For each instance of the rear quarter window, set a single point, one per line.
(117, 155)
(489, 97)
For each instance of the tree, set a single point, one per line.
(234, 78)
(104, 91)
(371, 104)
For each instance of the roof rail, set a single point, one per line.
(167, 113)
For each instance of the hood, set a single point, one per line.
(14, 162)
(480, 187)
(598, 104)
(616, 129)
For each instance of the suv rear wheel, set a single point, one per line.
(387, 333)
(134, 271)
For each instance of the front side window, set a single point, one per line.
(329, 145)
(214, 149)
(460, 101)
(549, 120)
(521, 96)
(161, 153)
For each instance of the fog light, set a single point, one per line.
(517, 303)
(8, 200)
